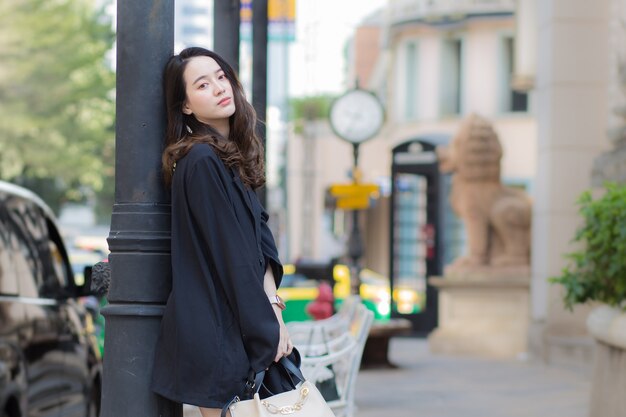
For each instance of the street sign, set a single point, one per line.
(352, 203)
(281, 16)
(353, 196)
(354, 190)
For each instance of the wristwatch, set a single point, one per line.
(275, 299)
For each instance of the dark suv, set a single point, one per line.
(49, 363)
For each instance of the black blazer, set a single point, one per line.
(218, 322)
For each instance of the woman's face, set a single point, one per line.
(209, 93)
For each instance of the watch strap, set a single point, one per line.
(275, 299)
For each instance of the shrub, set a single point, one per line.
(597, 272)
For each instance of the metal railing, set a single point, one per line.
(405, 10)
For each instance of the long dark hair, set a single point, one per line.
(242, 148)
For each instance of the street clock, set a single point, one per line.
(356, 116)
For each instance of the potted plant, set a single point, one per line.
(597, 272)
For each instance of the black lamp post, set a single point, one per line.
(226, 18)
(139, 239)
(355, 240)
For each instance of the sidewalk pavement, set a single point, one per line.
(426, 385)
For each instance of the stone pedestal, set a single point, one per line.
(488, 317)
(607, 325)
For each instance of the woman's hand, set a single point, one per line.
(285, 347)
(284, 341)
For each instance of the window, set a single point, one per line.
(451, 77)
(22, 248)
(8, 278)
(37, 261)
(511, 100)
(410, 100)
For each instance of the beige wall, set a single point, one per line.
(314, 162)
(366, 52)
(482, 79)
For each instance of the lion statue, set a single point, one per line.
(497, 218)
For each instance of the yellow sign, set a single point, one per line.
(281, 10)
(245, 11)
(353, 203)
(354, 190)
(277, 10)
(353, 196)
(281, 16)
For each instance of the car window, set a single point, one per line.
(8, 278)
(37, 259)
(24, 254)
(57, 270)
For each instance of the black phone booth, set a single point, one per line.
(417, 193)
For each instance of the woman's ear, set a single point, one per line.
(186, 109)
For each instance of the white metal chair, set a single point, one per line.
(342, 361)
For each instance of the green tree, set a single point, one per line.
(305, 109)
(56, 97)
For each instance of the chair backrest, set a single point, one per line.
(348, 306)
(342, 361)
(360, 330)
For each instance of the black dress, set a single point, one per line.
(218, 322)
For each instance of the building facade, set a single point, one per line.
(434, 65)
(567, 56)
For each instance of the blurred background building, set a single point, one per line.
(431, 64)
(544, 72)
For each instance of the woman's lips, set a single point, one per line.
(223, 102)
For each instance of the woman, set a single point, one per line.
(223, 317)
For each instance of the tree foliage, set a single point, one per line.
(311, 108)
(597, 272)
(56, 96)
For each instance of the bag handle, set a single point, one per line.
(288, 409)
(256, 382)
(291, 367)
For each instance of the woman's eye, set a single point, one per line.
(221, 77)
(203, 86)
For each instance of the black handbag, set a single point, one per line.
(278, 378)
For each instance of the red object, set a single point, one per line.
(322, 306)
(428, 235)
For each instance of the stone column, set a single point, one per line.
(611, 165)
(571, 109)
(525, 45)
(617, 56)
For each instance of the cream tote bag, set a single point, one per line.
(303, 401)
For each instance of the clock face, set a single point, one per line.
(356, 116)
